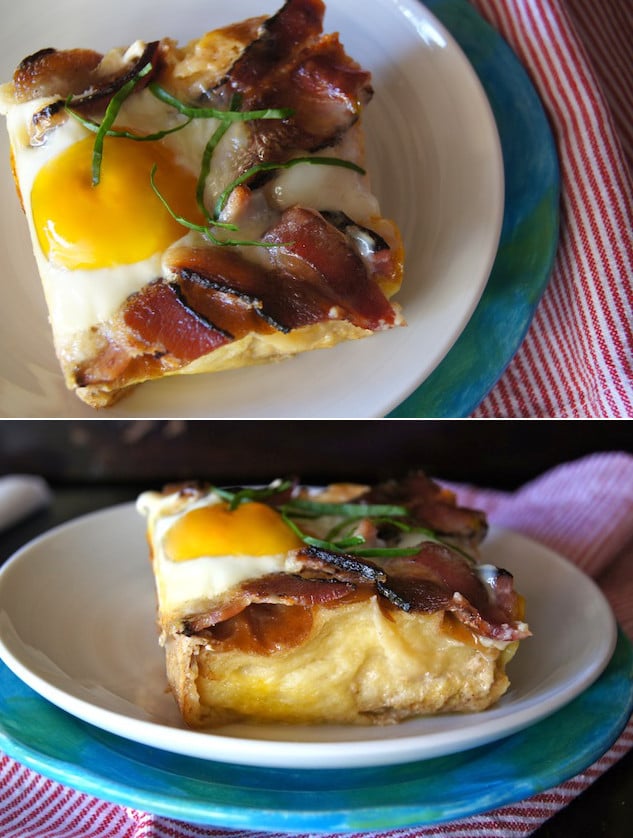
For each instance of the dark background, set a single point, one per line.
(501, 454)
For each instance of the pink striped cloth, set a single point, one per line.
(576, 360)
(564, 509)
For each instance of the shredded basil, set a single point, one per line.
(300, 508)
(247, 494)
(206, 229)
(126, 135)
(205, 166)
(214, 113)
(114, 106)
(352, 544)
(385, 552)
(200, 228)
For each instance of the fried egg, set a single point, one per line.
(201, 548)
(96, 244)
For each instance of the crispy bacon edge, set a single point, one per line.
(437, 578)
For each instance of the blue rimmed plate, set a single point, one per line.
(436, 163)
(89, 707)
(56, 744)
(529, 235)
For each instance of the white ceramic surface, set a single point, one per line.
(77, 624)
(434, 153)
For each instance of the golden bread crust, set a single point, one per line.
(358, 666)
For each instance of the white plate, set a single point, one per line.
(436, 162)
(77, 624)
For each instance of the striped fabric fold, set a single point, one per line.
(565, 509)
(576, 359)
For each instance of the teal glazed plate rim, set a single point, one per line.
(63, 580)
(529, 235)
(460, 154)
(60, 746)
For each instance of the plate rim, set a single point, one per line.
(442, 393)
(163, 406)
(204, 810)
(289, 754)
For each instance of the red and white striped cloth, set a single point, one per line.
(577, 358)
(565, 509)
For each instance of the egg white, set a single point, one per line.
(79, 299)
(182, 586)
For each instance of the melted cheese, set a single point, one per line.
(357, 665)
(328, 187)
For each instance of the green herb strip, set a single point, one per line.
(226, 118)
(111, 112)
(300, 508)
(214, 113)
(352, 544)
(205, 166)
(246, 495)
(200, 228)
(352, 514)
(385, 552)
(126, 135)
(205, 229)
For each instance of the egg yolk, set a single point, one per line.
(252, 529)
(118, 221)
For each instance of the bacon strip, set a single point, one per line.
(432, 506)
(161, 319)
(207, 275)
(317, 275)
(290, 66)
(342, 565)
(327, 91)
(51, 72)
(296, 24)
(274, 588)
(314, 251)
(101, 90)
